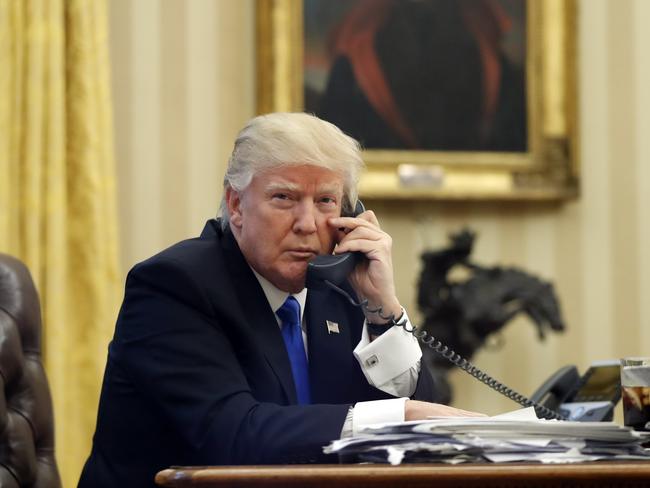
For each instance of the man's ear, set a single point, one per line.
(233, 200)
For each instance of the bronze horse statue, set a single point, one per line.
(463, 314)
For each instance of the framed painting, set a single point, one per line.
(450, 99)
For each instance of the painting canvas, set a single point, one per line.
(421, 75)
(450, 99)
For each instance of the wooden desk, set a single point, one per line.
(627, 474)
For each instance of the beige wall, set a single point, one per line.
(183, 76)
(184, 83)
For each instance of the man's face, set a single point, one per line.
(280, 221)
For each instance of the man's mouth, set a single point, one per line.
(303, 253)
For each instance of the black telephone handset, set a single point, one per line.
(329, 271)
(333, 268)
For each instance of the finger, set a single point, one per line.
(354, 222)
(370, 216)
(369, 246)
(365, 232)
(446, 410)
(371, 241)
(467, 413)
(456, 412)
(344, 225)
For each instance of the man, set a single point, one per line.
(204, 367)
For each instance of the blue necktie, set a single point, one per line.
(289, 314)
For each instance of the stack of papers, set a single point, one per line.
(514, 437)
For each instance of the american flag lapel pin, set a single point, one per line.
(332, 327)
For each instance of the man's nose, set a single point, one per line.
(305, 218)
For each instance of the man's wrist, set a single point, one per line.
(383, 319)
(377, 412)
(382, 312)
(377, 329)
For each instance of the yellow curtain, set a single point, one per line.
(57, 196)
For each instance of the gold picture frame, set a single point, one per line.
(547, 170)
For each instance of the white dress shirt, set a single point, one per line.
(391, 363)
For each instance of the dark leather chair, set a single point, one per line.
(26, 419)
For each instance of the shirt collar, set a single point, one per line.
(277, 297)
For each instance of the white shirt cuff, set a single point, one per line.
(377, 411)
(389, 355)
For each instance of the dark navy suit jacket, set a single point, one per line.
(197, 372)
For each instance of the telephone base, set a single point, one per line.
(588, 411)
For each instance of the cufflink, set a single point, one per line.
(372, 361)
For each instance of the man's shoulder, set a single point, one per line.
(193, 255)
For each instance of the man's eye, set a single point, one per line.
(281, 196)
(328, 200)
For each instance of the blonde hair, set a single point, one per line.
(284, 139)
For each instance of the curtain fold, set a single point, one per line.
(58, 197)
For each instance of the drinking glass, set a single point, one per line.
(635, 384)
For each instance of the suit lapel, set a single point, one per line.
(330, 357)
(258, 315)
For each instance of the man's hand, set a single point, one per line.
(417, 410)
(373, 278)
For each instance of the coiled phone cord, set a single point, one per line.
(455, 358)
